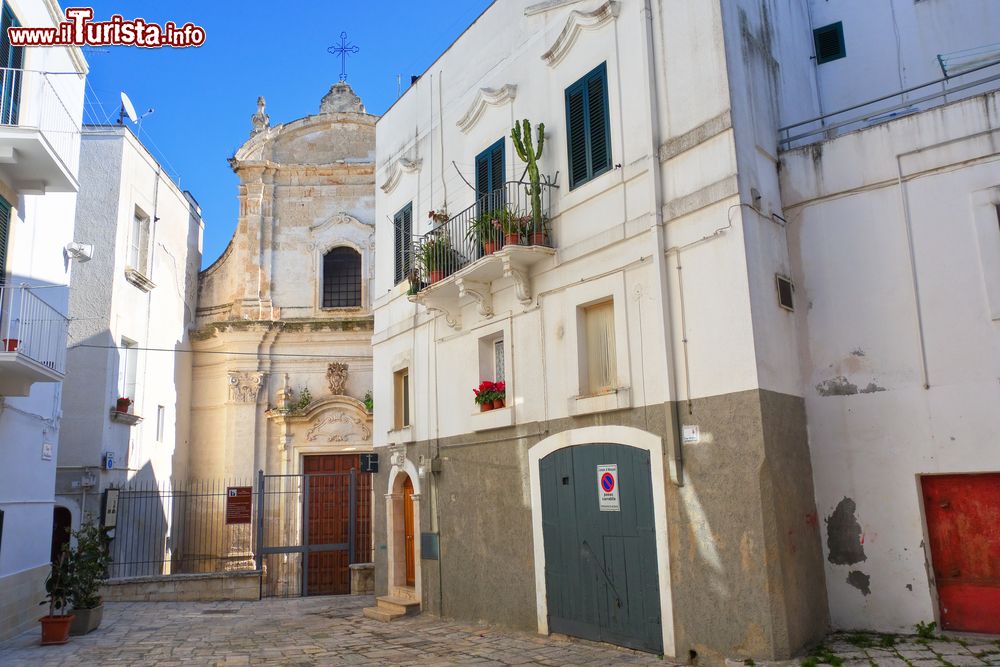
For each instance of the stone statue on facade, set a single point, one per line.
(336, 376)
(260, 120)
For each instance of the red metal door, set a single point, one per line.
(963, 522)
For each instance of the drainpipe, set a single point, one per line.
(654, 88)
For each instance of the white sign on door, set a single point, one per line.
(607, 488)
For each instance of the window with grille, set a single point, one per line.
(4, 237)
(599, 347)
(11, 62)
(829, 42)
(342, 278)
(588, 128)
(402, 224)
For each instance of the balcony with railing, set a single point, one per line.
(502, 235)
(32, 341)
(39, 137)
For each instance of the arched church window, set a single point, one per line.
(342, 278)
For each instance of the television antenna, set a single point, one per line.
(126, 110)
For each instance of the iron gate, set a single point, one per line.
(310, 528)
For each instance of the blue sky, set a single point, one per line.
(204, 96)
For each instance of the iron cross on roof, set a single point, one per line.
(343, 50)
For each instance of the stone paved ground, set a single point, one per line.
(861, 649)
(297, 632)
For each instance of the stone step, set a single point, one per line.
(378, 614)
(404, 592)
(397, 605)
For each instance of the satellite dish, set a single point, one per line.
(127, 110)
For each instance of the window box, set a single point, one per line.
(126, 418)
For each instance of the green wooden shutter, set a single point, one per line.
(402, 224)
(4, 238)
(11, 58)
(490, 176)
(588, 127)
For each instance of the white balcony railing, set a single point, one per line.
(31, 99)
(32, 329)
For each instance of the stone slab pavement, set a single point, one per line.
(298, 632)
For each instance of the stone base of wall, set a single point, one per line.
(19, 597)
(212, 587)
(363, 579)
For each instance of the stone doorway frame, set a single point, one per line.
(402, 469)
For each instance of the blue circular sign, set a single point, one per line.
(608, 482)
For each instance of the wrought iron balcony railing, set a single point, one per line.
(32, 329)
(32, 99)
(496, 220)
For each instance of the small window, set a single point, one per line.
(342, 278)
(128, 367)
(785, 291)
(138, 251)
(402, 224)
(829, 41)
(401, 389)
(491, 358)
(588, 128)
(498, 363)
(160, 416)
(601, 370)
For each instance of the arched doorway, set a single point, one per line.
(62, 522)
(403, 531)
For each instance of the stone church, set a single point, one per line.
(283, 363)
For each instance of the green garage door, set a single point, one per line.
(600, 548)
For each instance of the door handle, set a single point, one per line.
(944, 504)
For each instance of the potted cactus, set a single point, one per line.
(530, 153)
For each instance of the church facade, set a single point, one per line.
(282, 362)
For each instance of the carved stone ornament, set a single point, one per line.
(397, 459)
(244, 387)
(339, 427)
(336, 376)
(260, 120)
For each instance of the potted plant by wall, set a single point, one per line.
(89, 563)
(439, 215)
(123, 404)
(55, 626)
(499, 395)
(512, 225)
(485, 232)
(10, 344)
(435, 257)
(485, 395)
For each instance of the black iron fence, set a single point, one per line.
(511, 215)
(181, 528)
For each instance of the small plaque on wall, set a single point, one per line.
(430, 547)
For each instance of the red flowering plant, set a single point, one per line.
(500, 391)
(486, 393)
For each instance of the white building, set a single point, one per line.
(41, 105)
(676, 311)
(131, 309)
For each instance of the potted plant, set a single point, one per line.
(89, 563)
(10, 344)
(538, 235)
(485, 231)
(512, 225)
(435, 255)
(55, 626)
(122, 404)
(439, 215)
(499, 395)
(530, 154)
(485, 395)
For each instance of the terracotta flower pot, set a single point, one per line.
(485, 407)
(539, 238)
(512, 239)
(436, 275)
(489, 247)
(55, 629)
(497, 403)
(122, 405)
(10, 344)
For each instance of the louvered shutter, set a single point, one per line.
(497, 173)
(576, 124)
(597, 121)
(482, 176)
(402, 224)
(490, 176)
(11, 58)
(4, 238)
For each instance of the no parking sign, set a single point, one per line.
(607, 488)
